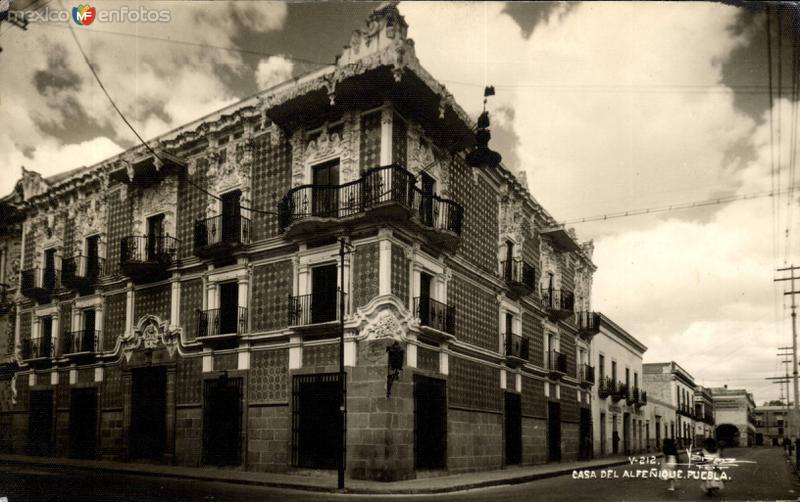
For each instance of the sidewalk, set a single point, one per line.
(325, 482)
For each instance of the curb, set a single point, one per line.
(524, 478)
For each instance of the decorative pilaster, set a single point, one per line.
(387, 116)
(385, 264)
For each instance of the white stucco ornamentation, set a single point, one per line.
(155, 199)
(149, 333)
(385, 325)
(549, 261)
(231, 171)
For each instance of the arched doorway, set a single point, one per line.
(728, 433)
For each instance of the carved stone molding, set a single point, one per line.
(150, 333)
(159, 198)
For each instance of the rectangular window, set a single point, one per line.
(601, 367)
(614, 371)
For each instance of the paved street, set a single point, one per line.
(768, 479)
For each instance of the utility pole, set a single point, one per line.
(792, 292)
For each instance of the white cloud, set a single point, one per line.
(273, 70)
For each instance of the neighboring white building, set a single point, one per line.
(671, 394)
(618, 412)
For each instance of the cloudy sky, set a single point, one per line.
(605, 108)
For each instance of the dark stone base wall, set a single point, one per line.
(474, 440)
(6, 433)
(570, 441)
(62, 432)
(110, 445)
(380, 430)
(268, 430)
(188, 436)
(19, 424)
(534, 441)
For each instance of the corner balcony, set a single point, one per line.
(80, 344)
(606, 388)
(588, 324)
(556, 364)
(559, 304)
(587, 376)
(519, 276)
(435, 317)
(385, 193)
(219, 236)
(147, 259)
(39, 284)
(517, 349)
(37, 350)
(81, 272)
(315, 311)
(221, 327)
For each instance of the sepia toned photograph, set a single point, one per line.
(413, 251)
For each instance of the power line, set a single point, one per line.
(196, 44)
(675, 207)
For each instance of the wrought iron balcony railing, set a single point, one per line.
(588, 322)
(560, 304)
(587, 374)
(517, 346)
(633, 396)
(619, 392)
(39, 283)
(519, 275)
(435, 314)
(315, 308)
(37, 348)
(81, 271)
(147, 258)
(557, 362)
(378, 187)
(221, 232)
(85, 341)
(216, 322)
(606, 388)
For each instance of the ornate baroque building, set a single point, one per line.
(180, 303)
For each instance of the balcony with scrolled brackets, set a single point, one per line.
(150, 167)
(381, 194)
(558, 303)
(221, 327)
(520, 277)
(619, 392)
(517, 349)
(39, 284)
(556, 364)
(81, 344)
(315, 312)
(219, 236)
(588, 324)
(37, 351)
(435, 317)
(147, 258)
(81, 272)
(606, 388)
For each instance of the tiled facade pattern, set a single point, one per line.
(272, 158)
(112, 388)
(480, 231)
(272, 287)
(269, 380)
(321, 355)
(370, 144)
(399, 141)
(400, 275)
(533, 401)
(191, 305)
(153, 301)
(188, 374)
(114, 320)
(192, 205)
(476, 312)
(473, 386)
(120, 221)
(365, 274)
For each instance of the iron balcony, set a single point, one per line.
(606, 388)
(588, 324)
(315, 308)
(39, 283)
(77, 343)
(556, 363)
(517, 349)
(386, 192)
(520, 277)
(435, 314)
(558, 303)
(37, 348)
(81, 272)
(619, 391)
(633, 397)
(587, 375)
(218, 236)
(147, 258)
(221, 325)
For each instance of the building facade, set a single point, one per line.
(670, 391)
(734, 412)
(620, 422)
(703, 415)
(182, 302)
(771, 425)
